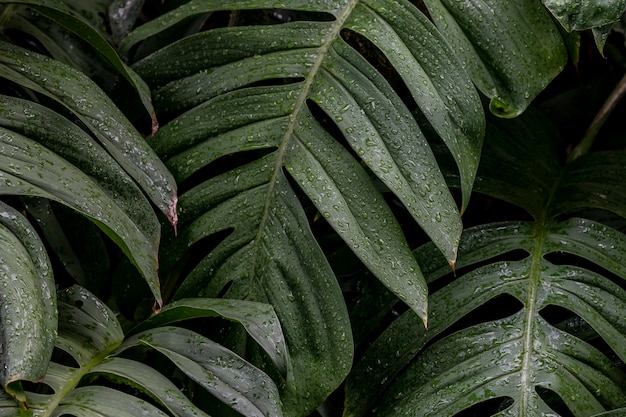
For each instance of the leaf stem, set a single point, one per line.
(601, 117)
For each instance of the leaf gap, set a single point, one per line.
(377, 59)
(194, 257)
(435, 282)
(488, 407)
(563, 258)
(220, 166)
(37, 387)
(569, 322)
(504, 305)
(63, 358)
(264, 17)
(554, 401)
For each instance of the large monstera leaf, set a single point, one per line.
(521, 358)
(90, 373)
(304, 111)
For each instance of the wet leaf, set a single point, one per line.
(27, 168)
(91, 340)
(210, 82)
(59, 13)
(228, 377)
(259, 320)
(558, 260)
(105, 121)
(581, 15)
(272, 258)
(28, 313)
(511, 50)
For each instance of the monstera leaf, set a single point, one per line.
(302, 113)
(566, 259)
(89, 374)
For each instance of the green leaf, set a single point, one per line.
(228, 377)
(369, 114)
(615, 413)
(30, 169)
(91, 339)
(259, 320)
(123, 15)
(28, 314)
(99, 114)
(518, 355)
(106, 402)
(149, 381)
(59, 13)
(511, 50)
(576, 15)
(285, 268)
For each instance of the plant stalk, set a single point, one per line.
(601, 117)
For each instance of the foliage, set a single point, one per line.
(213, 182)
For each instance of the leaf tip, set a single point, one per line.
(172, 215)
(157, 306)
(155, 123)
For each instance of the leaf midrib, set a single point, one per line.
(293, 117)
(542, 226)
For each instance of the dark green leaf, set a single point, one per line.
(511, 50)
(258, 319)
(100, 115)
(231, 379)
(28, 313)
(577, 15)
(516, 354)
(275, 262)
(58, 12)
(27, 168)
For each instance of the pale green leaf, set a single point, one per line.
(259, 320)
(149, 381)
(228, 377)
(105, 402)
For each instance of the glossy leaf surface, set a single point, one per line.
(104, 120)
(58, 12)
(90, 334)
(259, 320)
(212, 84)
(511, 50)
(30, 167)
(28, 315)
(519, 356)
(222, 373)
(581, 15)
